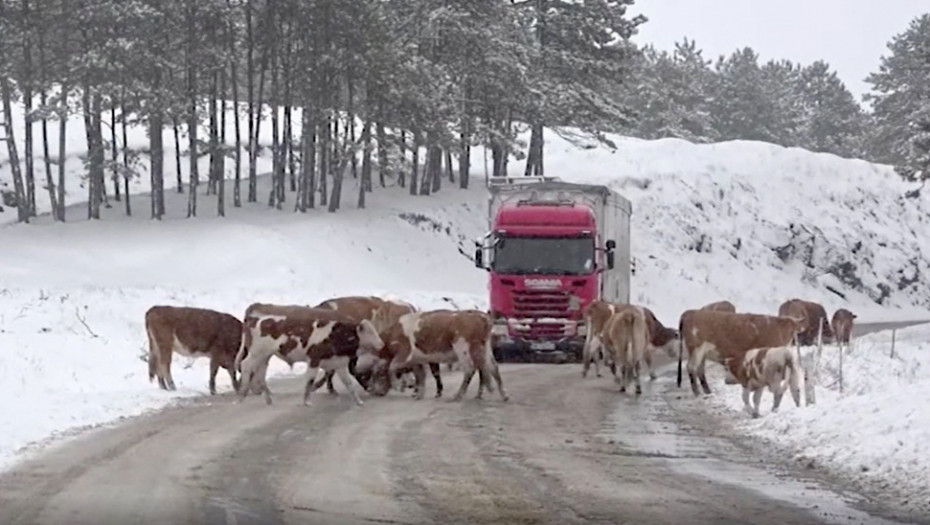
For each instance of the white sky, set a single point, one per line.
(850, 35)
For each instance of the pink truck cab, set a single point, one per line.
(552, 248)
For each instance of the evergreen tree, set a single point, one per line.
(901, 103)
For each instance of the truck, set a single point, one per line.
(552, 247)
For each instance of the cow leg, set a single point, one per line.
(233, 379)
(349, 383)
(419, 375)
(469, 371)
(310, 384)
(746, 405)
(694, 357)
(434, 369)
(329, 381)
(590, 355)
(703, 378)
(778, 393)
(756, 400)
(496, 374)
(214, 368)
(648, 358)
(635, 372)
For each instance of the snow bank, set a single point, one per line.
(876, 430)
(757, 223)
(73, 296)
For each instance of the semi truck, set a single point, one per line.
(552, 247)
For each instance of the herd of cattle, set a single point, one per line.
(378, 343)
(758, 351)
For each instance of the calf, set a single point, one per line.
(440, 336)
(721, 335)
(191, 332)
(323, 338)
(842, 324)
(625, 334)
(720, 306)
(767, 367)
(252, 314)
(812, 315)
(382, 313)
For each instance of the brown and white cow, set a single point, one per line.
(439, 336)
(658, 337)
(596, 315)
(625, 335)
(323, 338)
(842, 324)
(720, 335)
(252, 314)
(720, 306)
(770, 367)
(191, 332)
(812, 315)
(382, 313)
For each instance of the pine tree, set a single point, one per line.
(901, 103)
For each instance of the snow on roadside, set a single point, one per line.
(877, 430)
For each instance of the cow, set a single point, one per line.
(768, 367)
(382, 313)
(842, 325)
(659, 337)
(595, 316)
(191, 332)
(721, 335)
(625, 335)
(720, 306)
(251, 316)
(323, 338)
(812, 315)
(439, 336)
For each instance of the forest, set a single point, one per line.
(398, 92)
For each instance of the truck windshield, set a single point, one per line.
(544, 256)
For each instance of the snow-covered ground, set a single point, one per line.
(876, 429)
(749, 222)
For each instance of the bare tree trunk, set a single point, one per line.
(221, 153)
(43, 99)
(259, 103)
(365, 184)
(310, 158)
(382, 154)
(324, 157)
(450, 171)
(95, 152)
(177, 152)
(157, 160)
(126, 173)
(214, 143)
(289, 145)
(351, 125)
(26, 87)
(436, 167)
(192, 117)
(250, 83)
(416, 163)
(114, 153)
(22, 209)
(62, 151)
(534, 163)
(234, 81)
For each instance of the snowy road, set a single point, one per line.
(564, 450)
(860, 329)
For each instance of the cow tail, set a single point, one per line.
(681, 344)
(796, 374)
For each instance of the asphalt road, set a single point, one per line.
(563, 450)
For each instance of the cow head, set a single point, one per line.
(369, 341)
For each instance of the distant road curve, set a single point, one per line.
(860, 329)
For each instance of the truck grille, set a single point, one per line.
(542, 303)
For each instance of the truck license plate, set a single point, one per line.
(543, 345)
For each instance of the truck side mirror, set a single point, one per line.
(479, 258)
(610, 244)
